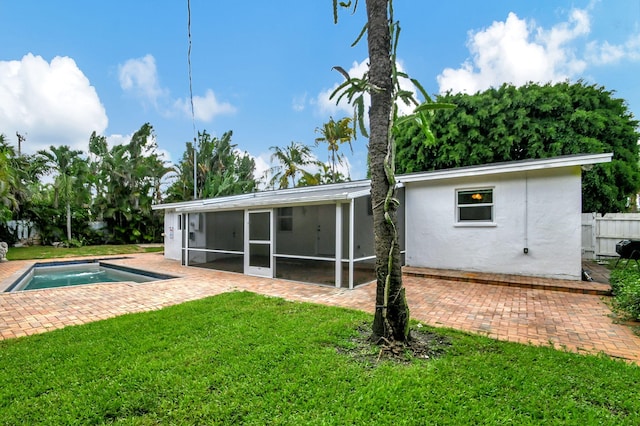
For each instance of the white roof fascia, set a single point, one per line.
(297, 193)
(169, 206)
(508, 167)
(276, 198)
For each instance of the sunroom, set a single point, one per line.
(321, 234)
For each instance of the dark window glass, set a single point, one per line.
(285, 219)
(475, 205)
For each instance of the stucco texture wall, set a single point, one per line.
(537, 210)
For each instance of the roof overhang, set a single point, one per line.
(346, 191)
(320, 194)
(508, 167)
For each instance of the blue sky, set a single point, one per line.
(263, 69)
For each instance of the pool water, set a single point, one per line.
(59, 276)
(64, 274)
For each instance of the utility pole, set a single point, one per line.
(21, 139)
(195, 170)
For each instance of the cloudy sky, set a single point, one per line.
(264, 69)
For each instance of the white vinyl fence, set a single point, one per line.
(600, 234)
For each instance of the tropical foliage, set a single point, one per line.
(61, 192)
(221, 170)
(129, 183)
(625, 287)
(293, 161)
(8, 202)
(69, 172)
(335, 133)
(533, 121)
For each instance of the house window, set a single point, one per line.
(475, 205)
(285, 219)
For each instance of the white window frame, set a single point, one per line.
(461, 222)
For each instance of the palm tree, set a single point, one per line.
(291, 161)
(222, 170)
(69, 167)
(335, 133)
(381, 83)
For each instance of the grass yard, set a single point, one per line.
(50, 252)
(241, 358)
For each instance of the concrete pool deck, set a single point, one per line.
(574, 321)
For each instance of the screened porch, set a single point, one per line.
(328, 243)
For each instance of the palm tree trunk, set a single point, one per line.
(391, 319)
(68, 221)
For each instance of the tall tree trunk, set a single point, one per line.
(68, 221)
(392, 312)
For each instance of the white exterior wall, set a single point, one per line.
(538, 210)
(172, 236)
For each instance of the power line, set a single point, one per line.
(193, 115)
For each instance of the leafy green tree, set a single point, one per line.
(8, 202)
(292, 160)
(335, 133)
(126, 181)
(533, 121)
(99, 174)
(18, 176)
(323, 176)
(222, 170)
(69, 169)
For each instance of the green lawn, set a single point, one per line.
(50, 252)
(240, 358)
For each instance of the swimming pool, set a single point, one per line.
(65, 274)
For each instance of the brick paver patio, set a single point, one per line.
(576, 322)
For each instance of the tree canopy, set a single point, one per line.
(222, 170)
(115, 186)
(533, 121)
(335, 133)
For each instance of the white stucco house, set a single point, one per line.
(521, 217)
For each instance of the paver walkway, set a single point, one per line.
(577, 322)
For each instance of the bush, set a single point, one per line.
(625, 286)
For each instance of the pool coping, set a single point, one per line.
(8, 285)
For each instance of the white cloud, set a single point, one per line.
(262, 170)
(603, 53)
(298, 103)
(139, 76)
(205, 108)
(50, 103)
(516, 51)
(117, 139)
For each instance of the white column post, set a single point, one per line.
(352, 209)
(338, 245)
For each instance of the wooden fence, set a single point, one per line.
(600, 234)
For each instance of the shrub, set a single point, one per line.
(625, 286)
